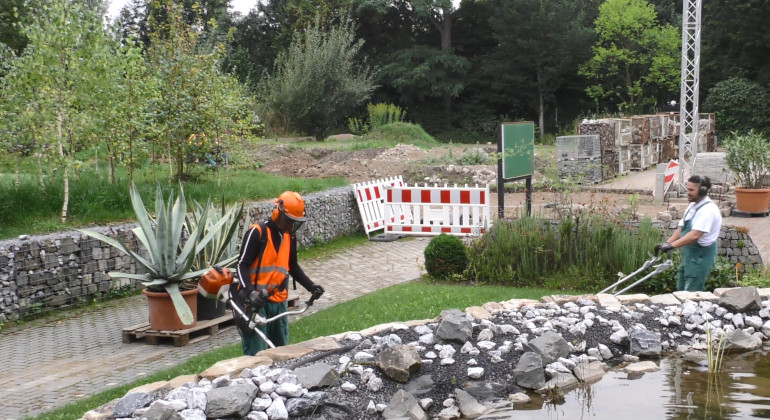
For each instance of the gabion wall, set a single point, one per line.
(69, 268)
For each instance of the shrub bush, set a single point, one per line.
(740, 105)
(758, 278)
(445, 255)
(474, 157)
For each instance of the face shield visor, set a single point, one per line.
(291, 224)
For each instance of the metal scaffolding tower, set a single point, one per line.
(688, 103)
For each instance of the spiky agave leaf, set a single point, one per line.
(118, 243)
(220, 226)
(145, 223)
(182, 308)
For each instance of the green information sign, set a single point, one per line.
(518, 149)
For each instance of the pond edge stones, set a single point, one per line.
(476, 363)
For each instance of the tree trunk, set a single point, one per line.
(541, 106)
(65, 205)
(112, 171)
(446, 48)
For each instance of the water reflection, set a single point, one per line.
(680, 390)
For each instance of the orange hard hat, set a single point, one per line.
(291, 204)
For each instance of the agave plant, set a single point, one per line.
(222, 249)
(168, 263)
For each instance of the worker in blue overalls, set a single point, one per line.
(697, 235)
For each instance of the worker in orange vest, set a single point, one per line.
(268, 257)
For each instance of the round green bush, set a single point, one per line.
(445, 255)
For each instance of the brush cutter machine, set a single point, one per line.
(657, 269)
(216, 284)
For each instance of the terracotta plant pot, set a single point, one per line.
(163, 316)
(752, 200)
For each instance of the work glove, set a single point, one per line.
(316, 290)
(664, 247)
(257, 300)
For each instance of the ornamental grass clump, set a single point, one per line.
(571, 253)
(445, 255)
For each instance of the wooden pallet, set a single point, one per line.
(180, 338)
(738, 213)
(201, 330)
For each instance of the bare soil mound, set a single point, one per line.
(417, 165)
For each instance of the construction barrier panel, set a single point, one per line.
(460, 211)
(370, 196)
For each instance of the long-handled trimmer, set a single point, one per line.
(215, 284)
(659, 268)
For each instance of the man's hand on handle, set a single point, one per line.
(316, 290)
(664, 247)
(257, 300)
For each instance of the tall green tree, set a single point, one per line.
(256, 41)
(735, 42)
(186, 80)
(423, 70)
(635, 58)
(318, 82)
(125, 120)
(540, 43)
(12, 14)
(50, 87)
(740, 105)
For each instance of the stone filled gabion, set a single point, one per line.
(474, 364)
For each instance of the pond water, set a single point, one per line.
(679, 390)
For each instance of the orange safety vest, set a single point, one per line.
(274, 271)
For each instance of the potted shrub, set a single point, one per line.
(748, 155)
(168, 265)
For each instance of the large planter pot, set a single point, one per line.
(752, 200)
(210, 308)
(163, 316)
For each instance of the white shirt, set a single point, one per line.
(708, 220)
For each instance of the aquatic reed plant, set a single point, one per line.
(716, 349)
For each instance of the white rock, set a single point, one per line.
(374, 384)
(486, 345)
(268, 387)
(519, 398)
(485, 335)
(277, 411)
(289, 390)
(261, 404)
(475, 372)
(753, 321)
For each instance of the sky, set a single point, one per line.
(242, 6)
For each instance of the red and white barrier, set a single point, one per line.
(370, 196)
(434, 210)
